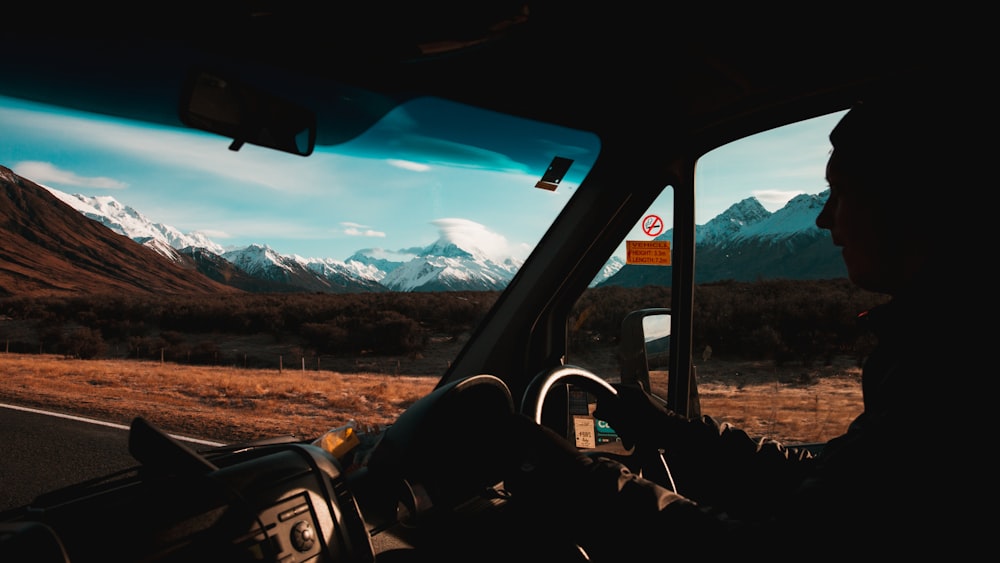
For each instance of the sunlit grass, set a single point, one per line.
(792, 404)
(233, 404)
(221, 403)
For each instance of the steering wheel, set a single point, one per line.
(647, 462)
(538, 389)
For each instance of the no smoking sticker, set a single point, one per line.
(652, 225)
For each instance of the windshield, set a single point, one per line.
(429, 175)
(270, 284)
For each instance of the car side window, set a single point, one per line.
(776, 347)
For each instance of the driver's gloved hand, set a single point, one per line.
(637, 417)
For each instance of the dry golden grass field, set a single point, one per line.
(792, 403)
(219, 403)
(233, 404)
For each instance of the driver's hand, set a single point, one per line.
(636, 416)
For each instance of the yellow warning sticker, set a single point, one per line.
(647, 252)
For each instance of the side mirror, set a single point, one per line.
(225, 106)
(645, 359)
(656, 335)
(645, 340)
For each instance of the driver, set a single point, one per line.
(902, 479)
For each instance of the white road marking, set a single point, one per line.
(102, 423)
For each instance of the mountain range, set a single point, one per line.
(57, 243)
(747, 242)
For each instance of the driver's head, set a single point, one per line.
(905, 167)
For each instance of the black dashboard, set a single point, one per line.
(284, 500)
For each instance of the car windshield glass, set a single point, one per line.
(429, 173)
(377, 256)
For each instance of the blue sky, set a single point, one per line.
(772, 166)
(331, 204)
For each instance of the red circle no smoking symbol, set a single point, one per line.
(652, 225)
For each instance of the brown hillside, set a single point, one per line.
(49, 248)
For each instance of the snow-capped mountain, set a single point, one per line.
(125, 220)
(745, 242)
(739, 218)
(446, 265)
(329, 268)
(610, 268)
(262, 262)
(48, 248)
(449, 264)
(797, 217)
(363, 259)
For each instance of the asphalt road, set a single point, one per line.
(42, 452)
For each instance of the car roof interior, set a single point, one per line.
(665, 77)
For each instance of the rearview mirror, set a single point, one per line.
(225, 106)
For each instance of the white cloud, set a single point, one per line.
(774, 199)
(392, 255)
(47, 173)
(469, 233)
(179, 148)
(357, 230)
